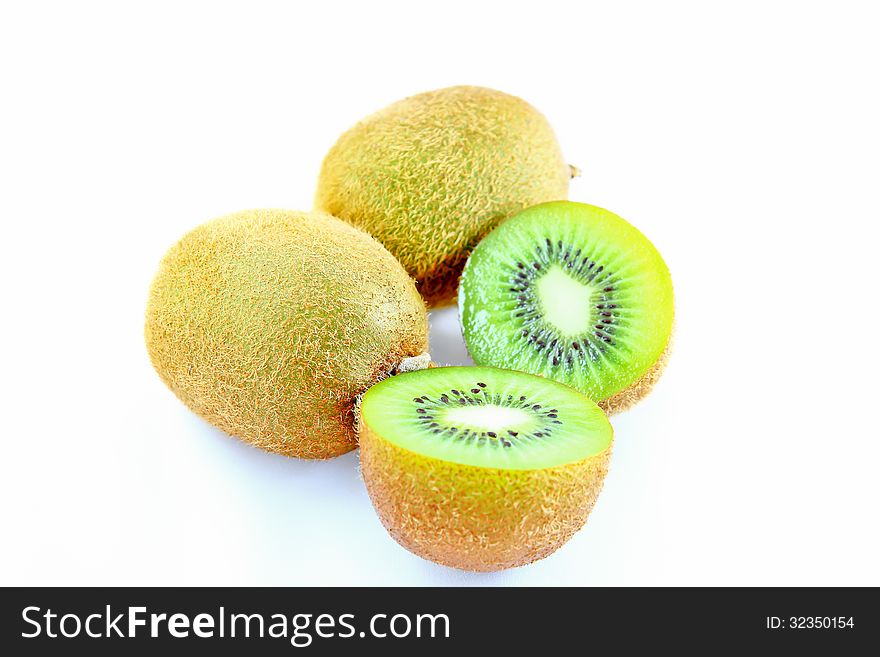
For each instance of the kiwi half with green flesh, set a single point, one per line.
(430, 175)
(270, 323)
(574, 293)
(480, 468)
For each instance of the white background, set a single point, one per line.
(741, 137)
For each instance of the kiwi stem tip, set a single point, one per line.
(575, 171)
(413, 363)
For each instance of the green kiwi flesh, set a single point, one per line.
(571, 292)
(486, 417)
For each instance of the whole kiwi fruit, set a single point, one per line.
(269, 324)
(432, 174)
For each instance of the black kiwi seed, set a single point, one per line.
(481, 385)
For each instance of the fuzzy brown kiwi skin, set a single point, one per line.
(635, 392)
(439, 285)
(269, 323)
(498, 155)
(475, 518)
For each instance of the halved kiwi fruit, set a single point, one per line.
(574, 293)
(481, 468)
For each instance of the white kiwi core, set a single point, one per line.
(566, 303)
(488, 417)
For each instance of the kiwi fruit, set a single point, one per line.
(430, 175)
(574, 293)
(481, 468)
(269, 323)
